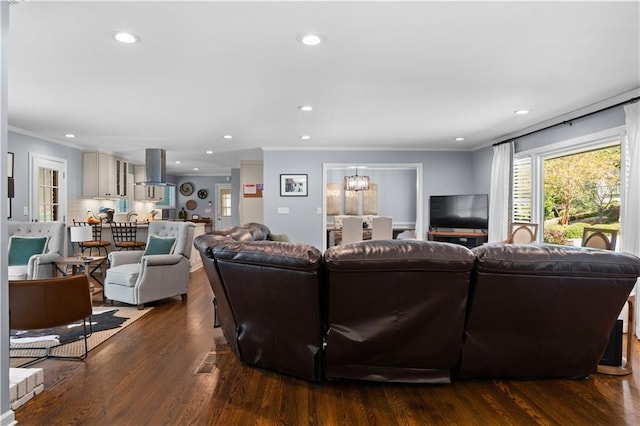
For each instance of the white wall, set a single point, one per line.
(251, 208)
(444, 172)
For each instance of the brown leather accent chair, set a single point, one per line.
(396, 309)
(46, 303)
(543, 310)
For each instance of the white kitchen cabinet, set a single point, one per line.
(121, 177)
(98, 175)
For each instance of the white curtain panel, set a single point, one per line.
(499, 206)
(630, 214)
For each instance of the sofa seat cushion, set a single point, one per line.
(17, 272)
(124, 275)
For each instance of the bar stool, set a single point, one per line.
(97, 243)
(124, 236)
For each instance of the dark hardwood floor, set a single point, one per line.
(171, 367)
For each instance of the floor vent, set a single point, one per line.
(209, 363)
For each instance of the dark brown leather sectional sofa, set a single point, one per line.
(414, 311)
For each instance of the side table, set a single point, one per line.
(88, 265)
(627, 362)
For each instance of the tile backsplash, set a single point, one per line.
(78, 208)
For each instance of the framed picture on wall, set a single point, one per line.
(293, 185)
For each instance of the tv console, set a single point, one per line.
(466, 238)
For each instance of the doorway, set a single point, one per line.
(48, 188)
(399, 194)
(223, 206)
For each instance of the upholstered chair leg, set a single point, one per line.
(140, 306)
(184, 296)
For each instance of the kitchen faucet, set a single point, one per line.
(131, 214)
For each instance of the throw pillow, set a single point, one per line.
(160, 245)
(278, 237)
(22, 248)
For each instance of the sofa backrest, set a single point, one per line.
(396, 309)
(53, 230)
(543, 310)
(181, 231)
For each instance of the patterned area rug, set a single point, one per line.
(105, 323)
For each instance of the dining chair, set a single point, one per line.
(124, 236)
(97, 243)
(381, 228)
(351, 229)
(522, 233)
(599, 238)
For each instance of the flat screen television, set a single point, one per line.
(469, 211)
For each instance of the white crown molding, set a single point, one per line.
(44, 138)
(367, 149)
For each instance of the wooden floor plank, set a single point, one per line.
(148, 375)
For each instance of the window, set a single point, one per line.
(225, 202)
(521, 190)
(568, 186)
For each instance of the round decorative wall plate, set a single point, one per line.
(186, 188)
(191, 204)
(202, 194)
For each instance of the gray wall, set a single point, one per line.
(594, 123)
(481, 161)
(21, 145)
(199, 182)
(444, 172)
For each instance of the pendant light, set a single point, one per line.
(356, 182)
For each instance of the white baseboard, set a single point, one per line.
(8, 418)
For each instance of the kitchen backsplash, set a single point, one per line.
(78, 208)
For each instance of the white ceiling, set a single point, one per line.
(391, 75)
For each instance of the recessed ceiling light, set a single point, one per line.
(196, 169)
(305, 137)
(521, 111)
(305, 108)
(178, 162)
(459, 139)
(228, 137)
(311, 39)
(126, 38)
(70, 135)
(209, 152)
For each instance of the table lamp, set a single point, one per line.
(80, 234)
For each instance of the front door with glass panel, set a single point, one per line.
(223, 205)
(48, 188)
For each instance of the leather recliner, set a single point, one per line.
(543, 310)
(396, 309)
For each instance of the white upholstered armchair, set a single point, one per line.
(161, 271)
(33, 248)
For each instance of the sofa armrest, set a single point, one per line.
(39, 259)
(161, 259)
(124, 257)
(39, 265)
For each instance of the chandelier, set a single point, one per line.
(356, 183)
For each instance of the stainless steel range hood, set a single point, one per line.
(155, 164)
